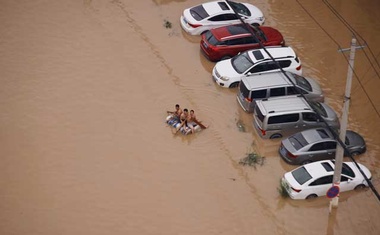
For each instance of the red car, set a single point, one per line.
(226, 42)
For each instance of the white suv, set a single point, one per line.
(228, 73)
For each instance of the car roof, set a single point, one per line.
(316, 135)
(267, 80)
(283, 104)
(214, 8)
(320, 168)
(276, 52)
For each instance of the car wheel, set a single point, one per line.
(255, 24)
(306, 162)
(311, 196)
(275, 136)
(234, 84)
(226, 57)
(360, 186)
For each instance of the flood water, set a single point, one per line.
(85, 86)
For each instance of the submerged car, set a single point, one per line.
(198, 19)
(228, 73)
(314, 179)
(318, 144)
(227, 41)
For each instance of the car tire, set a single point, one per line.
(311, 196)
(360, 186)
(226, 57)
(234, 84)
(275, 136)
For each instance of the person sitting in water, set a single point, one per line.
(191, 120)
(177, 113)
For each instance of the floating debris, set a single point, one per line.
(240, 125)
(252, 159)
(282, 190)
(167, 24)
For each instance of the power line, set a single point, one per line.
(333, 131)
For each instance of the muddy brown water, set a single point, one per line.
(84, 148)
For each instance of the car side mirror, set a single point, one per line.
(249, 74)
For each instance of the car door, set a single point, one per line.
(322, 150)
(310, 120)
(346, 183)
(320, 186)
(264, 67)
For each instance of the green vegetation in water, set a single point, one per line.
(240, 125)
(252, 159)
(282, 190)
(167, 24)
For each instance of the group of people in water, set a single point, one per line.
(187, 119)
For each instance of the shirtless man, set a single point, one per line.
(177, 113)
(191, 120)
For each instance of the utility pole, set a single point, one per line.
(343, 124)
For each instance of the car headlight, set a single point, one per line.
(216, 73)
(224, 78)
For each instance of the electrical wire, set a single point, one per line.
(302, 95)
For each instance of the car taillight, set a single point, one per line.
(291, 155)
(299, 67)
(248, 99)
(263, 132)
(195, 25)
(296, 190)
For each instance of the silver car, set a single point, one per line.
(317, 144)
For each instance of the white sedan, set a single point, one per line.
(315, 179)
(198, 19)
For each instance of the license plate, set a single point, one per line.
(283, 151)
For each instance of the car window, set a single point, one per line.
(301, 175)
(259, 114)
(317, 147)
(199, 13)
(211, 38)
(323, 180)
(298, 141)
(240, 8)
(244, 90)
(285, 118)
(327, 166)
(236, 41)
(259, 94)
(223, 17)
(309, 117)
(284, 63)
(346, 170)
(291, 90)
(241, 62)
(344, 178)
(302, 82)
(319, 108)
(329, 145)
(265, 66)
(280, 91)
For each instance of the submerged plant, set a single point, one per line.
(252, 159)
(282, 189)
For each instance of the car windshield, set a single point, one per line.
(298, 140)
(302, 82)
(198, 12)
(241, 62)
(259, 33)
(346, 169)
(211, 38)
(319, 108)
(301, 175)
(240, 8)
